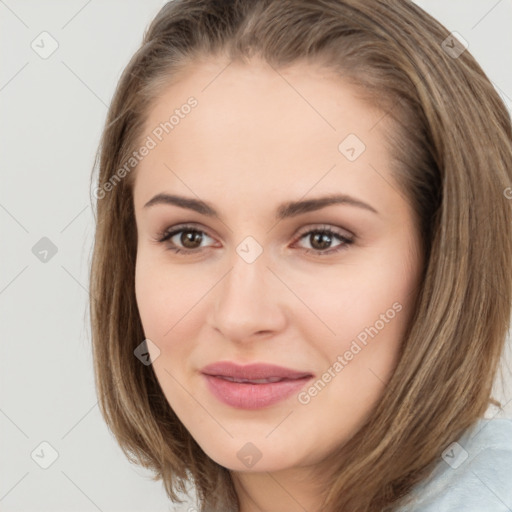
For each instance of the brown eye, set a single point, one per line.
(191, 239)
(321, 241)
(184, 239)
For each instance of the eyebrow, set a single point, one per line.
(285, 210)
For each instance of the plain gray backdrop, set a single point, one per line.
(52, 112)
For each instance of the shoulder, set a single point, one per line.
(474, 473)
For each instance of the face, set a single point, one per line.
(292, 245)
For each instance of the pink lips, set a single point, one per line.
(252, 386)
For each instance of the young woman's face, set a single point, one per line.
(262, 268)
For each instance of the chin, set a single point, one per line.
(251, 457)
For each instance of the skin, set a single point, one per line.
(257, 139)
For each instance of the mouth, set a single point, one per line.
(251, 381)
(253, 386)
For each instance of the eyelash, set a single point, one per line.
(166, 235)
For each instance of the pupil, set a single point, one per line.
(321, 240)
(188, 239)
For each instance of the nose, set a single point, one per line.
(249, 302)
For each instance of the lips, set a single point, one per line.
(251, 381)
(252, 386)
(252, 372)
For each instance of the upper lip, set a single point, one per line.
(252, 371)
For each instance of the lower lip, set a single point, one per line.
(253, 396)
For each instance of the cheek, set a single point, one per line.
(165, 299)
(362, 313)
(151, 295)
(164, 295)
(343, 301)
(173, 302)
(380, 316)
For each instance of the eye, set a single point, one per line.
(189, 239)
(184, 239)
(321, 239)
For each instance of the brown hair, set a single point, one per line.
(450, 136)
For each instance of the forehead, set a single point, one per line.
(257, 128)
(248, 94)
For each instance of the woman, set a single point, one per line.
(301, 273)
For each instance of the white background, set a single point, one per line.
(52, 114)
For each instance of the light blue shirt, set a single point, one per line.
(473, 475)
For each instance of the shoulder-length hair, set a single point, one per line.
(449, 134)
